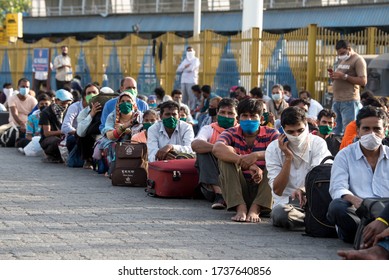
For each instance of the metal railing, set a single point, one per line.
(105, 7)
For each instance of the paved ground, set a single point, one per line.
(49, 211)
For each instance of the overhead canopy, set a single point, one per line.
(343, 16)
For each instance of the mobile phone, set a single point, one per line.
(281, 130)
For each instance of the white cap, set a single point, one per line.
(107, 90)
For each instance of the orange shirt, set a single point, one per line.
(349, 135)
(140, 137)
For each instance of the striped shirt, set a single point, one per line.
(234, 137)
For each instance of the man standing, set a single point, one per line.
(20, 105)
(63, 66)
(347, 78)
(189, 68)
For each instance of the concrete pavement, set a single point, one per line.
(49, 211)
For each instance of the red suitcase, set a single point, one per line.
(176, 178)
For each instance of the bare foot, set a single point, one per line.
(241, 212)
(253, 215)
(373, 253)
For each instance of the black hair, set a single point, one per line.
(176, 91)
(305, 91)
(6, 85)
(228, 102)
(297, 101)
(251, 106)
(22, 80)
(287, 88)
(241, 89)
(372, 101)
(256, 92)
(159, 92)
(292, 116)
(328, 113)
(50, 93)
(384, 101)
(367, 94)
(43, 96)
(168, 105)
(371, 111)
(206, 89)
(342, 44)
(196, 88)
(150, 112)
(83, 93)
(76, 95)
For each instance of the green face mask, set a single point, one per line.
(386, 132)
(170, 122)
(225, 122)
(89, 97)
(125, 107)
(147, 125)
(183, 119)
(133, 92)
(325, 129)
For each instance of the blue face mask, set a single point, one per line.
(24, 91)
(153, 105)
(249, 126)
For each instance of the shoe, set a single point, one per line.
(219, 202)
(87, 165)
(21, 150)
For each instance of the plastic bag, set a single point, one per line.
(33, 149)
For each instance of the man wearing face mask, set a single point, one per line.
(177, 97)
(170, 135)
(206, 163)
(288, 161)
(69, 124)
(63, 67)
(326, 123)
(8, 91)
(211, 117)
(189, 68)
(51, 121)
(20, 105)
(347, 78)
(241, 157)
(359, 171)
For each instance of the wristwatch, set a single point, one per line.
(345, 77)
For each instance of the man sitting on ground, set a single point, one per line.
(326, 122)
(288, 161)
(203, 144)
(241, 154)
(359, 171)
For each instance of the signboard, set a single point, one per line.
(14, 23)
(40, 62)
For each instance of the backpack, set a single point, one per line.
(9, 136)
(317, 184)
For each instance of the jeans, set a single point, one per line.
(342, 214)
(346, 112)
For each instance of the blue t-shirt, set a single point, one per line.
(110, 107)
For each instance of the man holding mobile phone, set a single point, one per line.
(288, 160)
(347, 78)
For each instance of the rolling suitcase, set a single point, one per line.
(176, 178)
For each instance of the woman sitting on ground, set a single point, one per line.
(120, 125)
(149, 118)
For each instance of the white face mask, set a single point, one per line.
(344, 57)
(297, 141)
(286, 98)
(370, 141)
(276, 96)
(8, 91)
(190, 55)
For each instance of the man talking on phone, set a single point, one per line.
(348, 77)
(288, 161)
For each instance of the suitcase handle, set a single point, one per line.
(176, 175)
